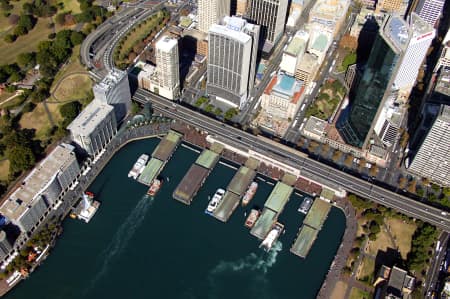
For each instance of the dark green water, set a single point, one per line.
(135, 247)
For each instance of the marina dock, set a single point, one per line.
(195, 177)
(305, 239)
(317, 214)
(312, 224)
(235, 190)
(160, 156)
(264, 223)
(279, 197)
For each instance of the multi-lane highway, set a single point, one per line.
(308, 167)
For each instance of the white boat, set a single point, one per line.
(215, 200)
(272, 236)
(138, 167)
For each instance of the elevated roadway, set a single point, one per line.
(308, 167)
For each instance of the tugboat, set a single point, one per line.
(214, 202)
(272, 236)
(155, 186)
(306, 205)
(252, 217)
(249, 193)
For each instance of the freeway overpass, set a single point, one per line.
(308, 167)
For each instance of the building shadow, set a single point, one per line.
(391, 257)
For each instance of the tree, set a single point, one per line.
(15, 77)
(27, 59)
(337, 155)
(230, 113)
(218, 111)
(76, 38)
(209, 108)
(13, 19)
(20, 158)
(70, 110)
(10, 38)
(60, 19)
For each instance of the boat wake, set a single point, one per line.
(257, 264)
(123, 235)
(253, 262)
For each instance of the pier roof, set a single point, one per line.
(167, 146)
(207, 159)
(227, 206)
(264, 223)
(191, 182)
(305, 239)
(150, 171)
(317, 214)
(278, 197)
(241, 180)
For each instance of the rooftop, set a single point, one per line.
(286, 86)
(304, 241)
(37, 180)
(278, 197)
(111, 80)
(445, 113)
(90, 117)
(166, 43)
(231, 33)
(443, 82)
(317, 214)
(264, 223)
(151, 171)
(207, 159)
(320, 43)
(308, 63)
(397, 31)
(241, 180)
(297, 45)
(419, 26)
(315, 125)
(167, 146)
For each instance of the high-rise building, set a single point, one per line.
(430, 10)
(444, 59)
(211, 12)
(329, 14)
(241, 7)
(421, 34)
(5, 245)
(167, 82)
(94, 127)
(293, 53)
(39, 192)
(390, 6)
(375, 83)
(271, 16)
(232, 51)
(432, 159)
(114, 90)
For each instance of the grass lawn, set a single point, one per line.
(70, 5)
(402, 232)
(12, 103)
(339, 290)
(4, 170)
(73, 65)
(73, 87)
(359, 294)
(25, 43)
(381, 243)
(366, 268)
(361, 222)
(5, 95)
(38, 120)
(349, 59)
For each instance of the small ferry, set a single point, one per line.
(155, 186)
(214, 202)
(252, 217)
(272, 236)
(138, 167)
(305, 205)
(249, 193)
(86, 208)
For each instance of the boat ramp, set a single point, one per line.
(160, 156)
(272, 209)
(311, 226)
(196, 176)
(235, 190)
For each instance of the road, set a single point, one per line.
(309, 168)
(435, 268)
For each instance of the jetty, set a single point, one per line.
(160, 156)
(196, 175)
(235, 190)
(312, 224)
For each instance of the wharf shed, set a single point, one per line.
(241, 180)
(279, 197)
(305, 239)
(167, 146)
(190, 184)
(227, 206)
(317, 214)
(264, 223)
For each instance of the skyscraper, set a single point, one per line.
(211, 12)
(375, 83)
(432, 159)
(271, 16)
(167, 68)
(114, 89)
(5, 245)
(430, 10)
(421, 34)
(232, 51)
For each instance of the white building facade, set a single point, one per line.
(232, 52)
(430, 10)
(211, 12)
(94, 127)
(167, 83)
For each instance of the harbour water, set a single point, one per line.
(136, 247)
